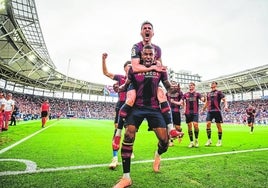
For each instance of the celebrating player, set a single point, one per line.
(121, 100)
(147, 33)
(213, 101)
(174, 95)
(146, 106)
(191, 111)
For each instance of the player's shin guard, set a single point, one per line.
(209, 133)
(126, 151)
(219, 135)
(196, 133)
(190, 133)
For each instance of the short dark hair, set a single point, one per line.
(215, 82)
(127, 63)
(146, 22)
(149, 46)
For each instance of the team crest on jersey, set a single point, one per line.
(133, 52)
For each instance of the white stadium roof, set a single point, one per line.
(24, 57)
(255, 79)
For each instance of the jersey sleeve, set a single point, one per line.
(135, 51)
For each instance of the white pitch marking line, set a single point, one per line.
(134, 162)
(30, 166)
(24, 139)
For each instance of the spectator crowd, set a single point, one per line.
(29, 108)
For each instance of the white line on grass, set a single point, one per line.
(106, 165)
(24, 139)
(30, 166)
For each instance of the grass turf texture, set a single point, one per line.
(81, 144)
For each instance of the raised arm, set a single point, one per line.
(225, 104)
(104, 67)
(205, 105)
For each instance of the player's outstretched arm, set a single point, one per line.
(104, 67)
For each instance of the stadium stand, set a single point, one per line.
(29, 108)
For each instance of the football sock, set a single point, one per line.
(126, 151)
(209, 133)
(126, 175)
(219, 135)
(196, 132)
(126, 165)
(190, 135)
(115, 153)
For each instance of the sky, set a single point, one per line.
(210, 38)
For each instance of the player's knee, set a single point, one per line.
(130, 135)
(128, 139)
(208, 125)
(195, 126)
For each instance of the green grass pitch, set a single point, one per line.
(76, 153)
